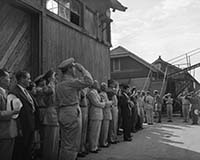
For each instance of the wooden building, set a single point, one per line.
(127, 67)
(176, 80)
(37, 35)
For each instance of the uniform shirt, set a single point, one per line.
(169, 101)
(184, 100)
(149, 102)
(67, 91)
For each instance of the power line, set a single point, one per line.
(192, 51)
(184, 57)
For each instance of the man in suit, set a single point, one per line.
(95, 117)
(8, 128)
(27, 117)
(126, 109)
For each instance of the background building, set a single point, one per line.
(37, 35)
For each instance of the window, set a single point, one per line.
(116, 65)
(70, 10)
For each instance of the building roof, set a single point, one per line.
(103, 5)
(166, 64)
(122, 52)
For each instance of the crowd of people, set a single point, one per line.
(68, 115)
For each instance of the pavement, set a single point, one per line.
(161, 141)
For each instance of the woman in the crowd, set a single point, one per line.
(50, 119)
(38, 92)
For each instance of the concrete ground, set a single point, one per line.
(165, 141)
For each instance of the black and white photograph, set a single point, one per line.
(99, 79)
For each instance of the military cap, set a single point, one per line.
(66, 63)
(39, 78)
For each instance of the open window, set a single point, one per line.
(70, 10)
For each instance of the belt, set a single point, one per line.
(70, 105)
(83, 106)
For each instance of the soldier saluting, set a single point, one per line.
(69, 113)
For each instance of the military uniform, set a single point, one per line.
(69, 113)
(149, 109)
(185, 107)
(158, 106)
(169, 105)
(195, 101)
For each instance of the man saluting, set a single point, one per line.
(67, 96)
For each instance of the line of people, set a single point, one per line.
(67, 115)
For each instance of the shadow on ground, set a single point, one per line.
(165, 141)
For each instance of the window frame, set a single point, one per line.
(70, 10)
(116, 62)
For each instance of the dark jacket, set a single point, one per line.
(27, 117)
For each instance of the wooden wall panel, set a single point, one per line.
(90, 22)
(15, 38)
(61, 42)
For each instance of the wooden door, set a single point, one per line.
(17, 39)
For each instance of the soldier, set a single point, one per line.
(69, 113)
(149, 108)
(185, 105)
(195, 101)
(158, 105)
(169, 103)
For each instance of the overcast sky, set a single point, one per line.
(150, 28)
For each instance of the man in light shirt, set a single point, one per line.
(8, 128)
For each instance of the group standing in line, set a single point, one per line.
(70, 117)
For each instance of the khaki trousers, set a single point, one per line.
(94, 133)
(84, 111)
(112, 136)
(104, 132)
(169, 111)
(149, 114)
(70, 132)
(185, 110)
